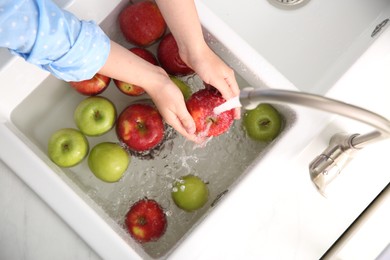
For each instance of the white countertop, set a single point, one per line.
(30, 229)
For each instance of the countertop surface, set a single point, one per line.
(30, 229)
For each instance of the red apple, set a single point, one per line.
(131, 89)
(93, 86)
(146, 221)
(142, 23)
(201, 105)
(140, 127)
(169, 58)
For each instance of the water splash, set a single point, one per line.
(203, 137)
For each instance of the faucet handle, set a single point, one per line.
(328, 165)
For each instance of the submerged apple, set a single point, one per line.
(169, 58)
(262, 123)
(146, 221)
(131, 89)
(93, 86)
(67, 147)
(142, 23)
(140, 127)
(190, 193)
(184, 88)
(95, 116)
(108, 161)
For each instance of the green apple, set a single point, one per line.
(190, 193)
(67, 147)
(262, 123)
(184, 88)
(108, 161)
(95, 115)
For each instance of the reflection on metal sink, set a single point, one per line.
(311, 45)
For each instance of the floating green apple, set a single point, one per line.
(263, 123)
(108, 161)
(95, 115)
(67, 147)
(184, 88)
(190, 193)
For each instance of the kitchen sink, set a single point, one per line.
(150, 176)
(221, 163)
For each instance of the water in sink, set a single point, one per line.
(221, 163)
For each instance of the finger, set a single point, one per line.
(237, 113)
(232, 82)
(187, 121)
(182, 123)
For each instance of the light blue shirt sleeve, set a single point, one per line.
(52, 38)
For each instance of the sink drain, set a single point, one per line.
(288, 3)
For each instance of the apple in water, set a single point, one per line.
(131, 89)
(262, 123)
(201, 105)
(95, 115)
(67, 147)
(142, 23)
(146, 221)
(140, 127)
(108, 161)
(169, 58)
(190, 193)
(184, 88)
(93, 86)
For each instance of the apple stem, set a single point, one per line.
(66, 147)
(212, 119)
(140, 125)
(97, 115)
(265, 122)
(141, 221)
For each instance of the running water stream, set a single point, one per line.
(229, 104)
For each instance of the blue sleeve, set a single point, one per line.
(52, 38)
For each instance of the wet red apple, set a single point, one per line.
(142, 23)
(201, 105)
(140, 127)
(93, 86)
(146, 220)
(131, 89)
(169, 58)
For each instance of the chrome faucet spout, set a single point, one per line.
(325, 167)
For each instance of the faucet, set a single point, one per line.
(325, 167)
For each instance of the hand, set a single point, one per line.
(212, 70)
(170, 102)
(128, 67)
